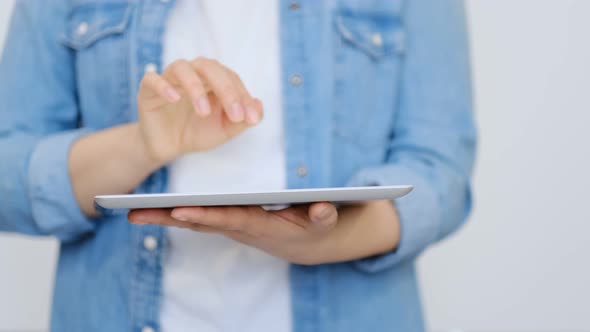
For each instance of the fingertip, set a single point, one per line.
(186, 213)
(323, 213)
(202, 106)
(252, 115)
(171, 94)
(133, 218)
(236, 112)
(258, 102)
(179, 216)
(260, 108)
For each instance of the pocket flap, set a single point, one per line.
(88, 23)
(377, 35)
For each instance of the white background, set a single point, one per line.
(522, 262)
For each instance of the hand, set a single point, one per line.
(313, 234)
(195, 105)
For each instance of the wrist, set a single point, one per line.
(145, 156)
(362, 231)
(388, 221)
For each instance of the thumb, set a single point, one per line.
(323, 216)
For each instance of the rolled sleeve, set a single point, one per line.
(417, 215)
(433, 138)
(39, 121)
(53, 204)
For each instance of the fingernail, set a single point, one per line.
(202, 106)
(178, 215)
(172, 94)
(325, 213)
(252, 115)
(236, 112)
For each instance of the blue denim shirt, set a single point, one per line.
(383, 98)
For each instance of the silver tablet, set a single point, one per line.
(284, 197)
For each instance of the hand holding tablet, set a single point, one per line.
(312, 231)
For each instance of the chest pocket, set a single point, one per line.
(369, 48)
(97, 32)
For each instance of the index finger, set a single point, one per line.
(223, 86)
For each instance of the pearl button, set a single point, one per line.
(82, 29)
(150, 68)
(302, 171)
(294, 5)
(296, 80)
(148, 329)
(376, 39)
(150, 243)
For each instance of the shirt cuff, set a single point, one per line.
(418, 215)
(53, 204)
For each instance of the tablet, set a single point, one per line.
(345, 195)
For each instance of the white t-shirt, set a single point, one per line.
(212, 283)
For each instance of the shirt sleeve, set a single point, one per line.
(38, 123)
(434, 137)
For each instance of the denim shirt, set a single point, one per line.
(375, 93)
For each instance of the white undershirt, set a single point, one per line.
(212, 283)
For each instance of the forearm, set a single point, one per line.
(112, 161)
(363, 230)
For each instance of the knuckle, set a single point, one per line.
(197, 63)
(174, 64)
(178, 64)
(201, 61)
(196, 86)
(233, 74)
(228, 90)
